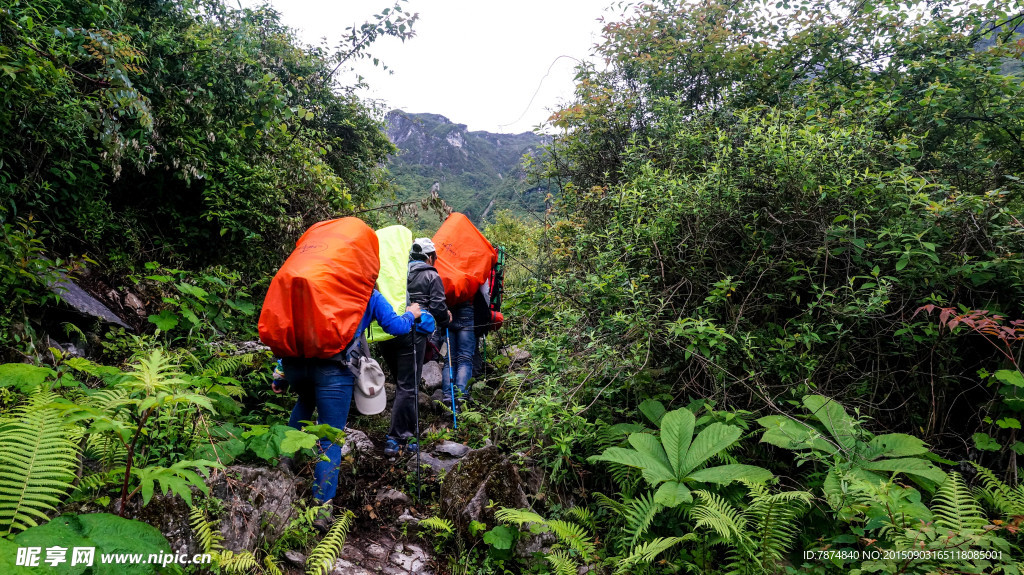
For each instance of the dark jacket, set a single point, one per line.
(425, 288)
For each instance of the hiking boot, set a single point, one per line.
(412, 448)
(324, 518)
(391, 447)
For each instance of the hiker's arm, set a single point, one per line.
(437, 306)
(389, 321)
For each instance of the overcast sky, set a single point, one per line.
(477, 62)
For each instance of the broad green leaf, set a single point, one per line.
(835, 419)
(676, 435)
(23, 376)
(295, 440)
(501, 537)
(909, 466)
(1010, 377)
(653, 409)
(649, 445)
(791, 434)
(708, 443)
(166, 321)
(985, 442)
(106, 533)
(725, 474)
(673, 494)
(895, 445)
(653, 471)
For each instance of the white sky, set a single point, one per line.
(477, 62)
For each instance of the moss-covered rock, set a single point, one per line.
(484, 475)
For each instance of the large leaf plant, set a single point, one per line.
(677, 462)
(830, 434)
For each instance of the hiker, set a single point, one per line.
(327, 386)
(424, 287)
(317, 307)
(466, 261)
(462, 344)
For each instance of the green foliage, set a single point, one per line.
(200, 306)
(197, 132)
(678, 458)
(574, 543)
(321, 559)
(210, 540)
(848, 446)
(1000, 496)
(959, 524)
(39, 460)
(761, 534)
(153, 395)
(107, 534)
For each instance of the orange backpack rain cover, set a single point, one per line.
(464, 258)
(318, 297)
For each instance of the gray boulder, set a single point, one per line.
(481, 477)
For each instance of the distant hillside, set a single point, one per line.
(479, 172)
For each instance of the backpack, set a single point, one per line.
(464, 258)
(317, 299)
(484, 308)
(392, 281)
(498, 280)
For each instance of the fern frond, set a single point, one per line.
(717, 514)
(206, 532)
(649, 551)
(610, 504)
(626, 478)
(518, 516)
(89, 485)
(585, 517)
(775, 520)
(237, 563)
(105, 449)
(562, 563)
(38, 462)
(271, 567)
(956, 509)
(639, 515)
(323, 556)
(575, 536)
(227, 365)
(1003, 498)
(438, 525)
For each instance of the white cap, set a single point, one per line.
(369, 393)
(423, 246)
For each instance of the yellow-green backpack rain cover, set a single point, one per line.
(395, 243)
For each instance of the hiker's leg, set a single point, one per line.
(403, 414)
(298, 372)
(464, 342)
(333, 400)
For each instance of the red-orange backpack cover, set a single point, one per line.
(464, 258)
(318, 297)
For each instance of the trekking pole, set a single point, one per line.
(451, 377)
(416, 400)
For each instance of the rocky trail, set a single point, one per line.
(257, 508)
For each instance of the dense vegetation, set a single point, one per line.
(775, 317)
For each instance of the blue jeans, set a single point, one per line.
(326, 387)
(462, 339)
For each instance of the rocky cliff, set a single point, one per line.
(478, 172)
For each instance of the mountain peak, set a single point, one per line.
(478, 171)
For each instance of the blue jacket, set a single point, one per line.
(379, 309)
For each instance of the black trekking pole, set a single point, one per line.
(416, 400)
